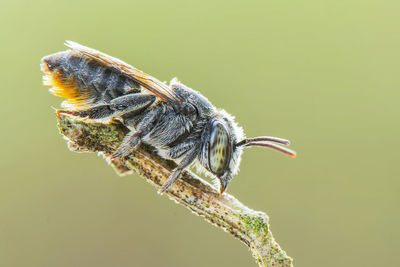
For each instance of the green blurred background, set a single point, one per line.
(324, 74)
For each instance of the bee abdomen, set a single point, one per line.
(84, 81)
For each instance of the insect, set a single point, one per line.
(178, 121)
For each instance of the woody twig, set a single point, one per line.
(224, 211)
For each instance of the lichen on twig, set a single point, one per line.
(223, 211)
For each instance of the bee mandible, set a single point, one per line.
(178, 121)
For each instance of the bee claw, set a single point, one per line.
(62, 111)
(118, 153)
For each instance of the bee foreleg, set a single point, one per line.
(190, 156)
(133, 139)
(180, 149)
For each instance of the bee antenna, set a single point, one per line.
(266, 141)
(264, 138)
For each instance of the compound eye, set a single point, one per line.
(219, 149)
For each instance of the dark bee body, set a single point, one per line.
(103, 87)
(90, 77)
(178, 121)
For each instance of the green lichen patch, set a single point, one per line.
(281, 257)
(95, 136)
(257, 224)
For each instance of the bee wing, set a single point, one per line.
(158, 88)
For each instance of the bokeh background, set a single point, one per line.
(324, 74)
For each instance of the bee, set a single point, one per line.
(178, 121)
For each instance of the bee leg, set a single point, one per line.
(96, 112)
(130, 141)
(180, 149)
(132, 102)
(190, 156)
(118, 106)
(133, 139)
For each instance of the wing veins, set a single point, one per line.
(158, 88)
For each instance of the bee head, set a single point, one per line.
(223, 147)
(220, 156)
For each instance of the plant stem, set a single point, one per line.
(224, 211)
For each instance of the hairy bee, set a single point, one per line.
(177, 120)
